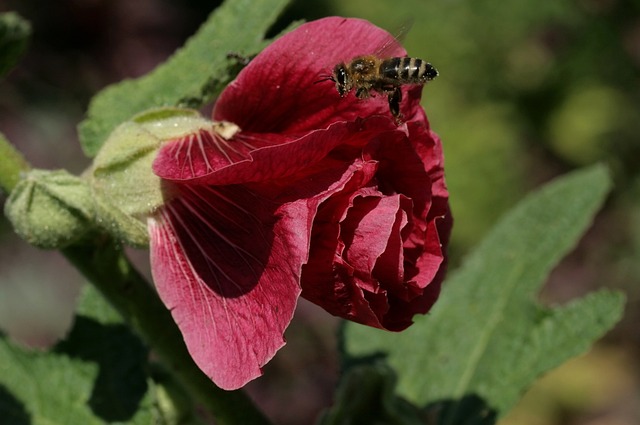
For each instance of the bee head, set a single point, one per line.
(341, 78)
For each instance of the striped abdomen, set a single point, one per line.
(408, 70)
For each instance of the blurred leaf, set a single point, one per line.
(584, 128)
(478, 203)
(192, 76)
(14, 35)
(96, 375)
(486, 338)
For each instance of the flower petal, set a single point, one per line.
(206, 158)
(428, 147)
(372, 221)
(281, 89)
(227, 263)
(328, 279)
(380, 243)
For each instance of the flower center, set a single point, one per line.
(225, 129)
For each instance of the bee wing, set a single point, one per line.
(393, 46)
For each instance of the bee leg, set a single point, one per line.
(362, 93)
(395, 97)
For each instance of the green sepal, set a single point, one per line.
(125, 189)
(50, 209)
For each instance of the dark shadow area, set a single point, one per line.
(12, 411)
(121, 381)
(469, 410)
(366, 395)
(369, 385)
(227, 233)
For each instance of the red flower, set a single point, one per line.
(311, 193)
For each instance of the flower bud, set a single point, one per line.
(125, 188)
(51, 209)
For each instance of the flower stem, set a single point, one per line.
(111, 272)
(12, 163)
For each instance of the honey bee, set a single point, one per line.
(365, 74)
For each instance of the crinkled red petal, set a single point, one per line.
(377, 243)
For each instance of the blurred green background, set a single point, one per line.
(527, 90)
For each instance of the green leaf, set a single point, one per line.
(192, 76)
(96, 375)
(486, 338)
(14, 35)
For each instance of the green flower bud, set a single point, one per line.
(51, 209)
(125, 189)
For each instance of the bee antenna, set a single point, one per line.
(325, 78)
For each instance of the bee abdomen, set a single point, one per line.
(408, 70)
